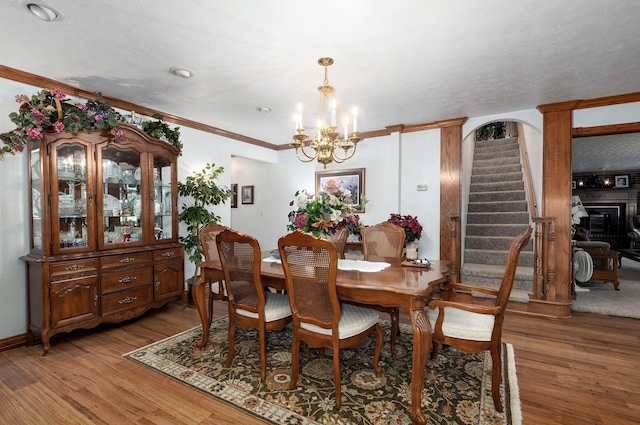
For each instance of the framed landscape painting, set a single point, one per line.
(352, 180)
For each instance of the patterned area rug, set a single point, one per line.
(457, 387)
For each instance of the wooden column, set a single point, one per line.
(556, 187)
(450, 190)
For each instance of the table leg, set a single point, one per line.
(422, 336)
(199, 293)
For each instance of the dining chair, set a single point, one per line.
(472, 327)
(207, 237)
(339, 239)
(320, 320)
(385, 242)
(250, 305)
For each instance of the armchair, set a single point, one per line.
(474, 328)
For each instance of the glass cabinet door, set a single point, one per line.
(69, 197)
(36, 199)
(163, 197)
(122, 191)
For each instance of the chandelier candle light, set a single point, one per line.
(329, 145)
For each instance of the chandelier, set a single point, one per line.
(327, 144)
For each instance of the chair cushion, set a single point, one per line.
(276, 307)
(353, 320)
(464, 324)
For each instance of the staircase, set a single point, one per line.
(497, 213)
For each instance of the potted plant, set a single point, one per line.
(203, 191)
(413, 232)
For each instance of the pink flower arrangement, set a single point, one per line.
(409, 223)
(50, 111)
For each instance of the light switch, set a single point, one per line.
(421, 187)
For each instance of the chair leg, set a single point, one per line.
(434, 349)
(496, 377)
(232, 343)
(263, 352)
(395, 330)
(336, 376)
(295, 361)
(376, 354)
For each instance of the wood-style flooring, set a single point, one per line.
(584, 370)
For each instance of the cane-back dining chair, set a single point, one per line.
(339, 239)
(320, 320)
(385, 242)
(472, 327)
(207, 237)
(250, 305)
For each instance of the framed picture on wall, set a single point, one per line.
(342, 180)
(622, 181)
(573, 184)
(247, 194)
(234, 197)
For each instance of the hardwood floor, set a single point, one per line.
(584, 370)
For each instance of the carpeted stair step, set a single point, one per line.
(496, 144)
(496, 230)
(506, 195)
(497, 169)
(500, 177)
(498, 206)
(498, 218)
(486, 256)
(479, 163)
(482, 155)
(500, 243)
(491, 276)
(496, 186)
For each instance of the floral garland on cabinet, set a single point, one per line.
(50, 111)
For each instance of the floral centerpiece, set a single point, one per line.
(51, 111)
(410, 224)
(325, 214)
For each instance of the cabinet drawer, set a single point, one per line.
(167, 254)
(125, 279)
(73, 269)
(125, 260)
(127, 299)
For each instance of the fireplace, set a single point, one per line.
(608, 218)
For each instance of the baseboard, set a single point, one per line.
(13, 342)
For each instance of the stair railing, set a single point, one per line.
(544, 244)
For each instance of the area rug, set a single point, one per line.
(601, 298)
(457, 387)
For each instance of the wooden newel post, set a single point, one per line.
(454, 251)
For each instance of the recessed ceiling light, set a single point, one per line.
(263, 109)
(43, 12)
(181, 72)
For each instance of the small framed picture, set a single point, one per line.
(247, 194)
(573, 184)
(622, 181)
(234, 197)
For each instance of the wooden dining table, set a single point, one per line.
(398, 285)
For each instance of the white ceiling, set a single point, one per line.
(402, 62)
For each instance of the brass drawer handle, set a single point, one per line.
(127, 279)
(127, 260)
(128, 300)
(75, 267)
(168, 254)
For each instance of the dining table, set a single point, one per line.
(401, 284)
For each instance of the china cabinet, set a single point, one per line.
(103, 230)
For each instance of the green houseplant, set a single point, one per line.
(201, 188)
